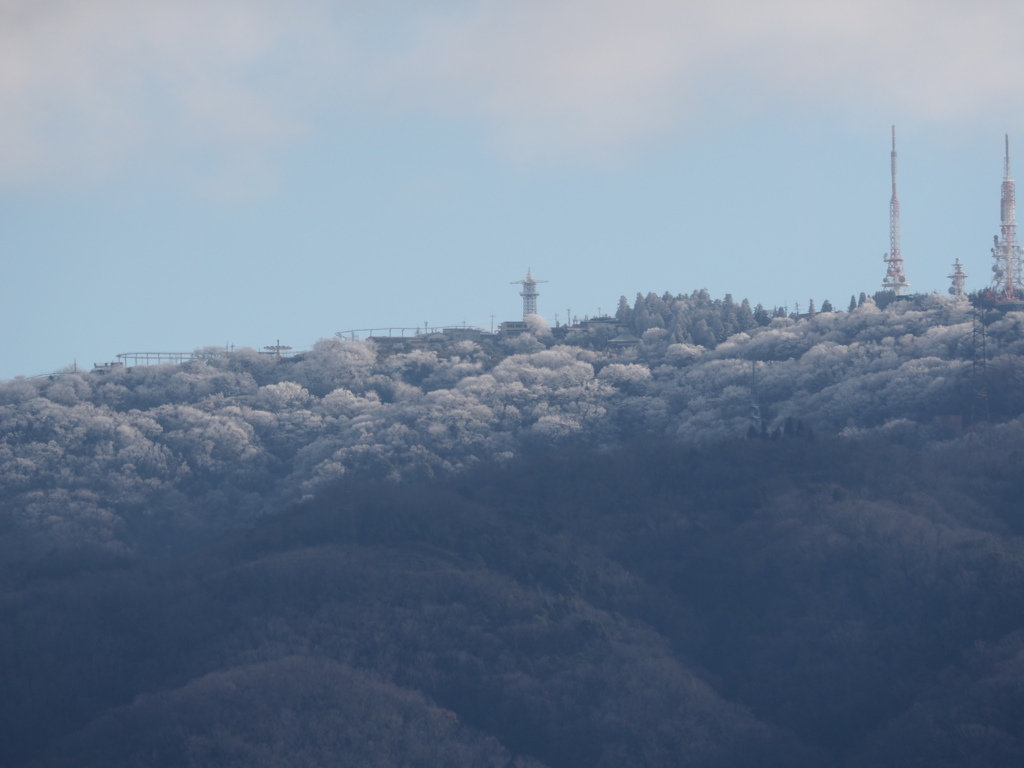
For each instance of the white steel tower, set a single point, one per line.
(529, 293)
(895, 279)
(1007, 280)
(959, 278)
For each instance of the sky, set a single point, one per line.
(176, 174)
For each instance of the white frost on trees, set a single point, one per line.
(227, 437)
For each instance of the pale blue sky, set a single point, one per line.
(183, 174)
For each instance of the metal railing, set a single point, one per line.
(155, 358)
(399, 332)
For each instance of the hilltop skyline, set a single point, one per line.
(191, 174)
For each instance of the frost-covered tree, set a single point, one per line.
(229, 436)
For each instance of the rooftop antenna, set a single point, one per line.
(1007, 278)
(895, 279)
(959, 277)
(529, 293)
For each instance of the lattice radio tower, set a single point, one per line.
(529, 293)
(1008, 277)
(895, 279)
(959, 278)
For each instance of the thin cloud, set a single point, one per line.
(90, 88)
(212, 90)
(579, 76)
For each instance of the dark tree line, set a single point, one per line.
(693, 319)
(698, 318)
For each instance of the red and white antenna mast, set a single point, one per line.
(895, 279)
(1007, 280)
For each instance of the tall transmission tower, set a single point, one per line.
(959, 278)
(1008, 277)
(529, 293)
(895, 279)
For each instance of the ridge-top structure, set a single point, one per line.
(895, 279)
(959, 278)
(1007, 279)
(529, 293)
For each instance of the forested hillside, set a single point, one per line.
(746, 540)
(150, 452)
(825, 603)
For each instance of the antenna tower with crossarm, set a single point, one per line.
(529, 293)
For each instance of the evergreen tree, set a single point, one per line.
(884, 298)
(624, 314)
(745, 317)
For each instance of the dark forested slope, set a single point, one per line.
(816, 602)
